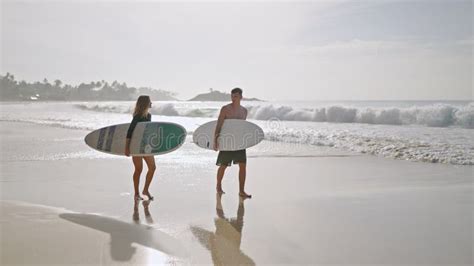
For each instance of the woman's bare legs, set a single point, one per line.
(137, 162)
(150, 162)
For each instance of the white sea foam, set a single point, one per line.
(425, 144)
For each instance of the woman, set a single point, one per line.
(141, 115)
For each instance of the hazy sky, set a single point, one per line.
(313, 50)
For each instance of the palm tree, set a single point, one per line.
(58, 83)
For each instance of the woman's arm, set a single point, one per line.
(127, 147)
(131, 128)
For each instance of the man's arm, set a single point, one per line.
(220, 122)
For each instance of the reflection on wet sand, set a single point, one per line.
(123, 234)
(224, 243)
(136, 215)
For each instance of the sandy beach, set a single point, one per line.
(62, 203)
(366, 109)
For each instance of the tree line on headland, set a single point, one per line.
(13, 90)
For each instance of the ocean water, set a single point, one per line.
(426, 131)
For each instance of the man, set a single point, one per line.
(225, 158)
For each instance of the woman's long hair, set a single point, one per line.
(142, 106)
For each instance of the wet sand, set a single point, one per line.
(62, 204)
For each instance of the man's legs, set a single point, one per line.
(220, 176)
(242, 176)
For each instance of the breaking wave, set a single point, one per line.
(436, 115)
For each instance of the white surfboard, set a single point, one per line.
(236, 134)
(148, 138)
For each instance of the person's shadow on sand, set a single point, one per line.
(123, 234)
(224, 243)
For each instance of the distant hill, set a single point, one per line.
(217, 96)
